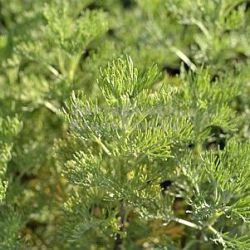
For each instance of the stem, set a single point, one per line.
(184, 58)
(198, 239)
(119, 238)
(187, 223)
(99, 142)
(73, 67)
(202, 28)
(51, 107)
(214, 231)
(55, 72)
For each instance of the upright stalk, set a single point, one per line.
(119, 236)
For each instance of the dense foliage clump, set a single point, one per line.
(124, 124)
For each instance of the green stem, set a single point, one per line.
(187, 223)
(214, 231)
(119, 237)
(105, 149)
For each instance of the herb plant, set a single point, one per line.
(124, 124)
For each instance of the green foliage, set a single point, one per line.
(124, 124)
(9, 128)
(137, 139)
(9, 221)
